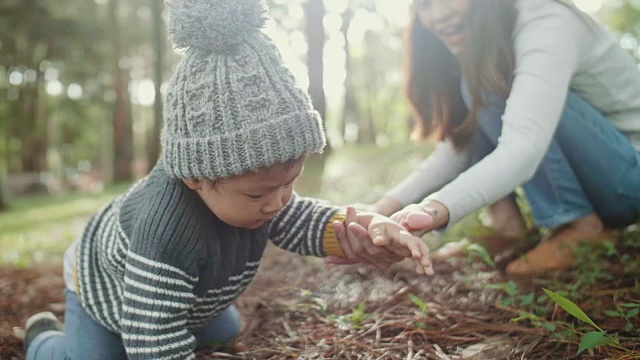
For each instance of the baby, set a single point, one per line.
(156, 271)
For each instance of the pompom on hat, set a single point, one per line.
(214, 24)
(231, 106)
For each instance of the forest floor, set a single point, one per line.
(299, 307)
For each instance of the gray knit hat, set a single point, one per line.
(231, 106)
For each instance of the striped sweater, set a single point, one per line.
(156, 263)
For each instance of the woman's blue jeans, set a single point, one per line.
(85, 338)
(589, 167)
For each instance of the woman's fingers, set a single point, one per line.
(418, 223)
(399, 217)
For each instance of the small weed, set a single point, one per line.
(423, 306)
(510, 288)
(354, 320)
(424, 310)
(627, 311)
(477, 251)
(310, 301)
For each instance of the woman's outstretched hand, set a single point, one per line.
(421, 219)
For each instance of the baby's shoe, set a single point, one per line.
(39, 323)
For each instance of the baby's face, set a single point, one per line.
(249, 200)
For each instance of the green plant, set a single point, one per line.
(591, 265)
(560, 330)
(510, 288)
(627, 312)
(424, 310)
(355, 320)
(310, 301)
(478, 251)
(592, 339)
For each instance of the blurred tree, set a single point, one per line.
(159, 38)
(64, 92)
(37, 40)
(31, 34)
(375, 75)
(314, 14)
(350, 106)
(122, 122)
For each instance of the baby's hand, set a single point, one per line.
(394, 237)
(357, 246)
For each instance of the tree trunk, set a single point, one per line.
(122, 124)
(28, 130)
(314, 12)
(153, 143)
(367, 133)
(34, 144)
(350, 107)
(4, 195)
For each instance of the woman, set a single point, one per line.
(521, 92)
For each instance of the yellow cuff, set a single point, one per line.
(330, 242)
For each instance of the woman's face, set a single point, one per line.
(446, 19)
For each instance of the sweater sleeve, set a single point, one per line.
(159, 281)
(547, 46)
(302, 225)
(439, 168)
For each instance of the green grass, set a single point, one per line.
(39, 229)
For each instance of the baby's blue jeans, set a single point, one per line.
(85, 338)
(589, 167)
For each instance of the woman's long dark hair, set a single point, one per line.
(487, 62)
(433, 73)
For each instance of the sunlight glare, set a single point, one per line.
(332, 22)
(54, 88)
(363, 21)
(282, 40)
(589, 6)
(336, 6)
(334, 68)
(146, 92)
(74, 91)
(395, 11)
(16, 78)
(296, 11)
